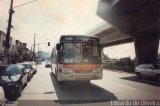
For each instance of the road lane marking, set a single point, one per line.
(124, 86)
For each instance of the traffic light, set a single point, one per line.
(48, 43)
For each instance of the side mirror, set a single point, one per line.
(58, 46)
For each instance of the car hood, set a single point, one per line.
(10, 78)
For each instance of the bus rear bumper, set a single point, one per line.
(79, 77)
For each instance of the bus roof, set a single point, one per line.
(80, 38)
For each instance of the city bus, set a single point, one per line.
(77, 58)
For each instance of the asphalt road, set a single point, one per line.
(43, 90)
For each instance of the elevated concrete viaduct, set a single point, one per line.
(132, 20)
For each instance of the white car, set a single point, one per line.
(2, 96)
(48, 64)
(148, 70)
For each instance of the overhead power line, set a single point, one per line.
(24, 4)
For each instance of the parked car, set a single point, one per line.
(34, 66)
(28, 69)
(47, 64)
(2, 96)
(13, 79)
(148, 70)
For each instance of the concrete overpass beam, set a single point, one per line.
(146, 47)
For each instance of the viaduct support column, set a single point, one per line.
(146, 47)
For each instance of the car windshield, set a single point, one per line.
(156, 66)
(2, 68)
(11, 70)
(48, 61)
(26, 66)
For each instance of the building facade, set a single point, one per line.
(18, 51)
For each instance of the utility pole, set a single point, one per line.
(7, 45)
(11, 11)
(34, 47)
(38, 49)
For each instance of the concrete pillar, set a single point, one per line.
(146, 47)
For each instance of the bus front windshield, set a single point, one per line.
(81, 53)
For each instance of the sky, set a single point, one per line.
(49, 19)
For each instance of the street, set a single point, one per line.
(43, 89)
(77, 37)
